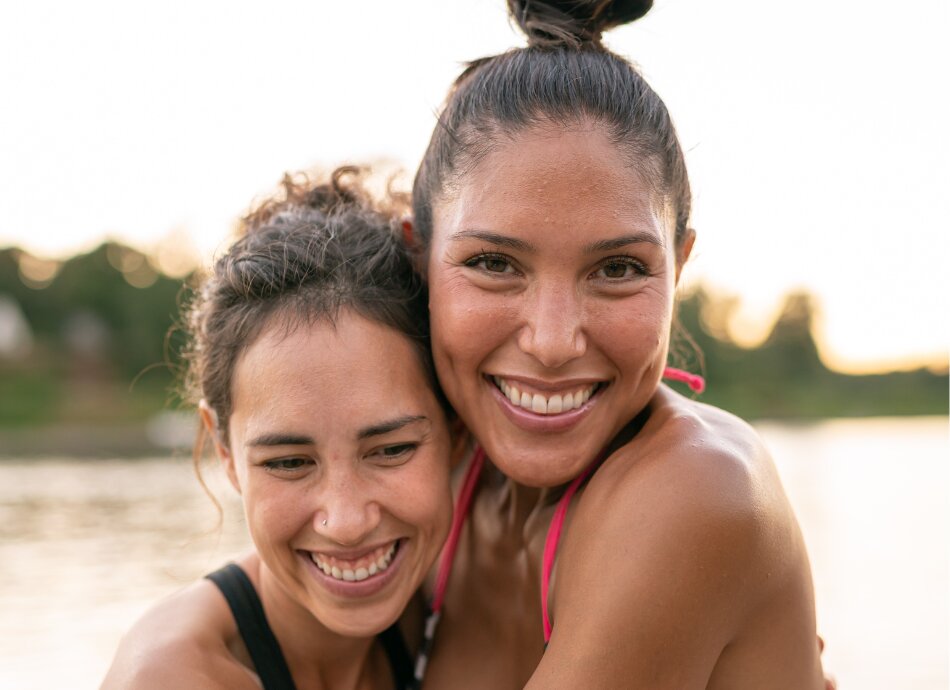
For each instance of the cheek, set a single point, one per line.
(272, 515)
(422, 497)
(635, 338)
(467, 323)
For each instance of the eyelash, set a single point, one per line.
(484, 257)
(280, 465)
(392, 453)
(479, 260)
(396, 451)
(638, 266)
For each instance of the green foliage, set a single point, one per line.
(785, 377)
(101, 354)
(95, 333)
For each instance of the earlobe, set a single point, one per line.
(684, 250)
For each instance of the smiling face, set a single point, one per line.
(551, 275)
(339, 423)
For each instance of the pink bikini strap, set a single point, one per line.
(554, 536)
(697, 384)
(463, 504)
(458, 520)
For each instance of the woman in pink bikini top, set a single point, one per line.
(610, 532)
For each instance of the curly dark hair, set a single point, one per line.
(302, 256)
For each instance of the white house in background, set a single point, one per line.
(16, 337)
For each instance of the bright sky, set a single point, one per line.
(816, 133)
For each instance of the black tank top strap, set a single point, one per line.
(269, 661)
(400, 661)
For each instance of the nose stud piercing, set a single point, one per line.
(324, 522)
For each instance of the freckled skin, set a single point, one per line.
(556, 321)
(324, 386)
(681, 564)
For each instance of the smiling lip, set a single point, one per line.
(529, 420)
(356, 588)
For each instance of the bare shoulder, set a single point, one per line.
(182, 641)
(680, 540)
(698, 475)
(694, 461)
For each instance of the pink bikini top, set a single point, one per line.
(696, 383)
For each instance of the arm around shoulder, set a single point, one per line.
(665, 557)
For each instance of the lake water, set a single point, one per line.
(86, 546)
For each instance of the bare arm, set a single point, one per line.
(662, 567)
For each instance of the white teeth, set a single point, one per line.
(359, 574)
(538, 404)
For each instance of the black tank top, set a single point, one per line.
(263, 647)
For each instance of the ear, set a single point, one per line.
(209, 419)
(682, 254)
(411, 241)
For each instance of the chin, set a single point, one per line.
(538, 468)
(358, 623)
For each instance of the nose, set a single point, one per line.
(553, 331)
(347, 511)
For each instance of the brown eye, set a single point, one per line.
(621, 268)
(615, 270)
(490, 263)
(286, 465)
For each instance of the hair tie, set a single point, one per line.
(695, 382)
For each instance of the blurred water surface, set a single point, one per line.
(87, 546)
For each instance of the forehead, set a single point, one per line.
(327, 379)
(551, 177)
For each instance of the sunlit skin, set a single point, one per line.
(334, 423)
(553, 265)
(552, 278)
(339, 390)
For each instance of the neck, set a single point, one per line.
(317, 656)
(519, 510)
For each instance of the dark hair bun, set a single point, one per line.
(573, 23)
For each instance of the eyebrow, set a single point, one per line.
(593, 248)
(625, 241)
(494, 238)
(387, 426)
(281, 439)
(288, 439)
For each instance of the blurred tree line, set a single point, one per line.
(784, 377)
(86, 342)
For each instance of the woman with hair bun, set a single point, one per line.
(609, 532)
(309, 362)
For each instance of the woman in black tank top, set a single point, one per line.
(309, 362)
